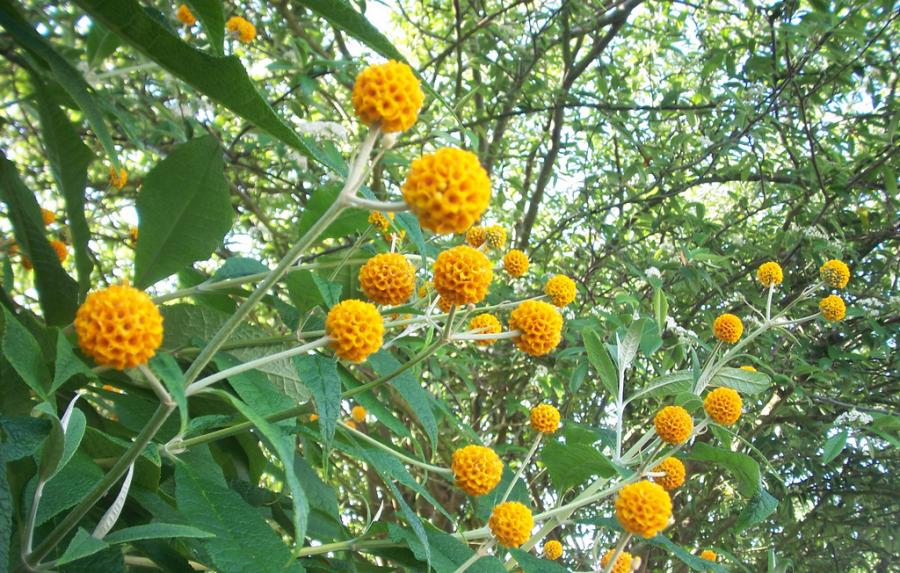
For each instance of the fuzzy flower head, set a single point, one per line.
(539, 325)
(358, 413)
(511, 523)
(544, 419)
(475, 236)
(48, 216)
(462, 275)
(708, 555)
(516, 263)
(495, 235)
(623, 561)
(833, 308)
(447, 190)
(388, 95)
(476, 469)
(388, 278)
(769, 274)
(673, 425)
(241, 29)
(723, 405)
(119, 178)
(485, 324)
(185, 16)
(835, 273)
(119, 326)
(553, 550)
(61, 250)
(728, 328)
(561, 290)
(675, 473)
(643, 508)
(356, 329)
(379, 221)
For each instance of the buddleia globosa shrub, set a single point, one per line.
(139, 451)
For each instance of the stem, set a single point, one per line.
(482, 551)
(486, 336)
(769, 302)
(32, 517)
(620, 412)
(157, 386)
(351, 545)
(428, 351)
(395, 453)
(237, 428)
(521, 470)
(392, 206)
(112, 476)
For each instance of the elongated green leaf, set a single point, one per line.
(741, 380)
(223, 79)
(64, 72)
(73, 435)
(67, 487)
(531, 564)
(350, 220)
(82, 545)
(53, 450)
(173, 379)
(238, 267)
(742, 467)
(184, 210)
(101, 44)
(447, 552)
(834, 446)
(416, 396)
(24, 354)
(69, 158)
(67, 364)
(571, 464)
(212, 16)
(601, 361)
(760, 506)
(103, 446)
(344, 17)
(154, 531)
(321, 377)
(57, 291)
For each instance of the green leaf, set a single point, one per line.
(101, 44)
(103, 446)
(244, 542)
(154, 531)
(342, 16)
(238, 267)
(418, 398)
(212, 16)
(626, 348)
(57, 291)
(82, 545)
(254, 388)
(67, 487)
(742, 467)
(24, 354)
(760, 506)
(64, 72)
(73, 434)
(660, 308)
(69, 158)
(330, 292)
(667, 385)
(320, 375)
(52, 451)
(67, 364)
(302, 290)
(348, 222)
(531, 564)
(184, 210)
(570, 465)
(741, 380)
(447, 552)
(601, 361)
(223, 79)
(834, 446)
(170, 374)
(21, 436)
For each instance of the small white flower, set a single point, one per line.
(653, 273)
(853, 418)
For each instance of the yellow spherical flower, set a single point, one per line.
(544, 419)
(119, 326)
(674, 470)
(313, 417)
(511, 523)
(673, 425)
(723, 405)
(553, 550)
(424, 288)
(185, 16)
(444, 305)
(388, 95)
(118, 179)
(447, 190)
(539, 325)
(476, 469)
(485, 324)
(623, 561)
(48, 216)
(62, 251)
(835, 273)
(356, 329)
(833, 308)
(379, 221)
(462, 275)
(561, 290)
(475, 236)
(769, 274)
(516, 263)
(388, 278)
(241, 29)
(495, 235)
(358, 413)
(351, 424)
(643, 508)
(728, 328)
(748, 368)
(709, 555)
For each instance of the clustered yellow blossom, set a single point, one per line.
(356, 329)
(358, 413)
(313, 417)
(485, 324)
(476, 469)
(622, 564)
(673, 425)
(674, 473)
(447, 190)
(833, 308)
(61, 250)
(723, 405)
(539, 325)
(462, 275)
(728, 328)
(118, 179)
(185, 16)
(388, 95)
(561, 290)
(511, 523)
(769, 274)
(379, 221)
(495, 235)
(709, 555)
(835, 273)
(119, 326)
(48, 216)
(544, 419)
(241, 29)
(388, 278)
(643, 508)
(516, 263)
(553, 550)
(475, 236)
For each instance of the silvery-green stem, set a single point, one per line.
(386, 206)
(404, 458)
(482, 551)
(525, 461)
(769, 302)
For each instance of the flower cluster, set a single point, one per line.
(545, 419)
(674, 473)
(835, 273)
(561, 290)
(462, 275)
(622, 564)
(643, 508)
(723, 405)
(485, 324)
(673, 425)
(511, 523)
(539, 325)
(516, 263)
(769, 274)
(728, 328)
(355, 328)
(388, 278)
(185, 16)
(118, 179)
(833, 308)
(553, 550)
(241, 29)
(388, 95)
(476, 469)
